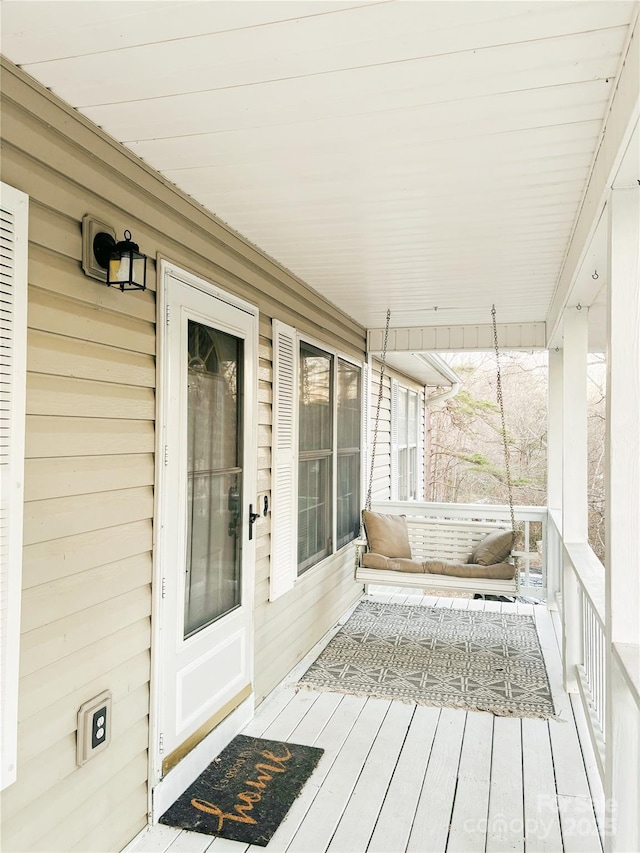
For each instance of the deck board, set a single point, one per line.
(398, 810)
(471, 804)
(399, 777)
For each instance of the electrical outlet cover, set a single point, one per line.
(94, 727)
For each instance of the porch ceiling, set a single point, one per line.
(426, 156)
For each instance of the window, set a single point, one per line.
(317, 456)
(329, 422)
(406, 475)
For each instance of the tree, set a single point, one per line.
(465, 454)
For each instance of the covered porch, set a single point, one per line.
(398, 776)
(324, 165)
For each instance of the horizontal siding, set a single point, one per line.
(60, 517)
(49, 602)
(59, 477)
(51, 354)
(80, 788)
(53, 641)
(71, 436)
(58, 719)
(58, 761)
(51, 312)
(89, 472)
(70, 555)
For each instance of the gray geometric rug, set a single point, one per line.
(473, 659)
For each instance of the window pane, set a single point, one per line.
(413, 417)
(348, 406)
(348, 497)
(403, 492)
(315, 422)
(402, 417)
(314, 516)
(413, 473)
(214, 476)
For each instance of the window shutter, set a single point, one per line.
(394, 439)
(366, 437)
(13, 335)
(421, 429)
(284, 512)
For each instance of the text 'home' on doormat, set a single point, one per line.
(245, 793)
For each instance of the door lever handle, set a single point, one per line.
(253, 517)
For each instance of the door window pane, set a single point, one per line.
(214, 476)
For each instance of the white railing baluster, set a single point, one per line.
(591, 668)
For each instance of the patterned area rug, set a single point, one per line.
(473, 659)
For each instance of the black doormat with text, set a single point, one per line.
(245, 793)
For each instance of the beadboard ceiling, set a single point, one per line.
(427, 156)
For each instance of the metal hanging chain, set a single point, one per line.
(367, 504)
(504, 426)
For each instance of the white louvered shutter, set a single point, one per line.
(421, 429)
(13, 342)
(394, 440)
(366, 436)
(284, 474)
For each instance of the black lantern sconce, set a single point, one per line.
(123, 261)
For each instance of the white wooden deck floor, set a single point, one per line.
(396, 777)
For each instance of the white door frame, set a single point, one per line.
(162, 792)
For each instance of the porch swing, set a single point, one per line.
(411, 550)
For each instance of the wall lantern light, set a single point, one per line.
(125, 264)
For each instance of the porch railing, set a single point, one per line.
(581, 601)
(532, 520)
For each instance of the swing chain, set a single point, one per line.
(504, 426)
(374, 443)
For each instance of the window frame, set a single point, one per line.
(336, 357)
(405, 448)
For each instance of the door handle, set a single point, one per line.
(253, 517)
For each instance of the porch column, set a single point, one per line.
(574, 480)
(554, 472)
(622, 519)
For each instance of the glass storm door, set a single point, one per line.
(206, 553)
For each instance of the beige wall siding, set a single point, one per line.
(381, 490)
(89, 482)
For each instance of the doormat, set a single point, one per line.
(245, 793)
(475, 659)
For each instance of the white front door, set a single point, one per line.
(205, 545)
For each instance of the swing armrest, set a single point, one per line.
(360, 549)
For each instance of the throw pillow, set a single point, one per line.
(494, 548)
(386, 534)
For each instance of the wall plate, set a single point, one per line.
(90, 227)
(94, 727)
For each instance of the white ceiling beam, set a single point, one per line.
(618, 130)
(511, 336)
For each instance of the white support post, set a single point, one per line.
(554, 430)
(574, 481)
(622, 779)
(554, 466)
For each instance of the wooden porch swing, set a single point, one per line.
(410, 550)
